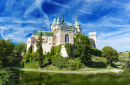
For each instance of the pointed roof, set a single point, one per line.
(62, 18)
(58, 19)
(76, 23)
(54, 21)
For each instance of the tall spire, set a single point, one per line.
(62, 18)
(55, 20)
(58, 19)
(76, 23)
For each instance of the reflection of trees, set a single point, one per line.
(38, 78)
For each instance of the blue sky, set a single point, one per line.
(109, 18)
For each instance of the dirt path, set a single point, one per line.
(76, 72)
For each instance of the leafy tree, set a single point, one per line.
(96, 52)
(2, 48)
(9, 47)
(69, 49)
(40, 50)
(109, 53)
(83, 47)
(20, 47)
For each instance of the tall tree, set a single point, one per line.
(9, 47)
(109, 53)
(83, 47)
(39, 49)
(2, 48)
(20, 47)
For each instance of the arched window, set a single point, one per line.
(66, 38)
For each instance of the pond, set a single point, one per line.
(41, 78)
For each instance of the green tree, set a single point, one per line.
(2, 48)
(96, 52)
(9, 47)
(109, 53)
(20, 47)
(40, 50)
(69, 49)
(83, 47)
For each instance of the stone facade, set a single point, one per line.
(61, 32)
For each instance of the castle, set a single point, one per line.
(62, 32)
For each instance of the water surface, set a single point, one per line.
(40, 78)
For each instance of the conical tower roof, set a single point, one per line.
(76, 23)
(54, 21)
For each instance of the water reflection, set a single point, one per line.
(39, 78)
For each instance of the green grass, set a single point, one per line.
(32, 65)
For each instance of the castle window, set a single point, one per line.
(49, 43)
(66, 38)
(53, 43)
(54, 39)
(49, 39)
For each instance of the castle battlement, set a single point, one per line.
(91, 33)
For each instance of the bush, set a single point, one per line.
(58, 49)
(0, 64)
(32, 65)
(123, 56)
(69, 49)
(59, 61)
(4, 77)
(74, 64)
(96, 52)
(127, 63)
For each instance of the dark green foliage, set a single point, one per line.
(2, 48)
(4, 77)
(109, 53)
(96, 52)
(9, 47)
(40, 50)
(0, 64)
(83, 47)
(69, 49)
(20, 48)
(30, 49)
(59, 61)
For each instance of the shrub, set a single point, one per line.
(127, 63)
(74, 64)
(96, 52)
(32, 65)
(58, 49)
(69, 49)
(123, 56)
(4, 77)
(59, 61)
(0, 64)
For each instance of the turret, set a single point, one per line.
(77, 26)
(58, 21)
(92, 36)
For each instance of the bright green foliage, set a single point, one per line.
(127, 63)
(59, 61)
(129, 54)
(9, 47)
(4, 77)
(69, 49)
(20, 47)
(83, 47)
(32, 65)
(96, 52)
(58, 49)
(74, 64)
(30, 49)
(109, 53)
(40, 50)
(123, 56)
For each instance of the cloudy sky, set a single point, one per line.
(109, 18)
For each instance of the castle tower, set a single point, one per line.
(92, 36)
(58, 21)
(77, 26)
